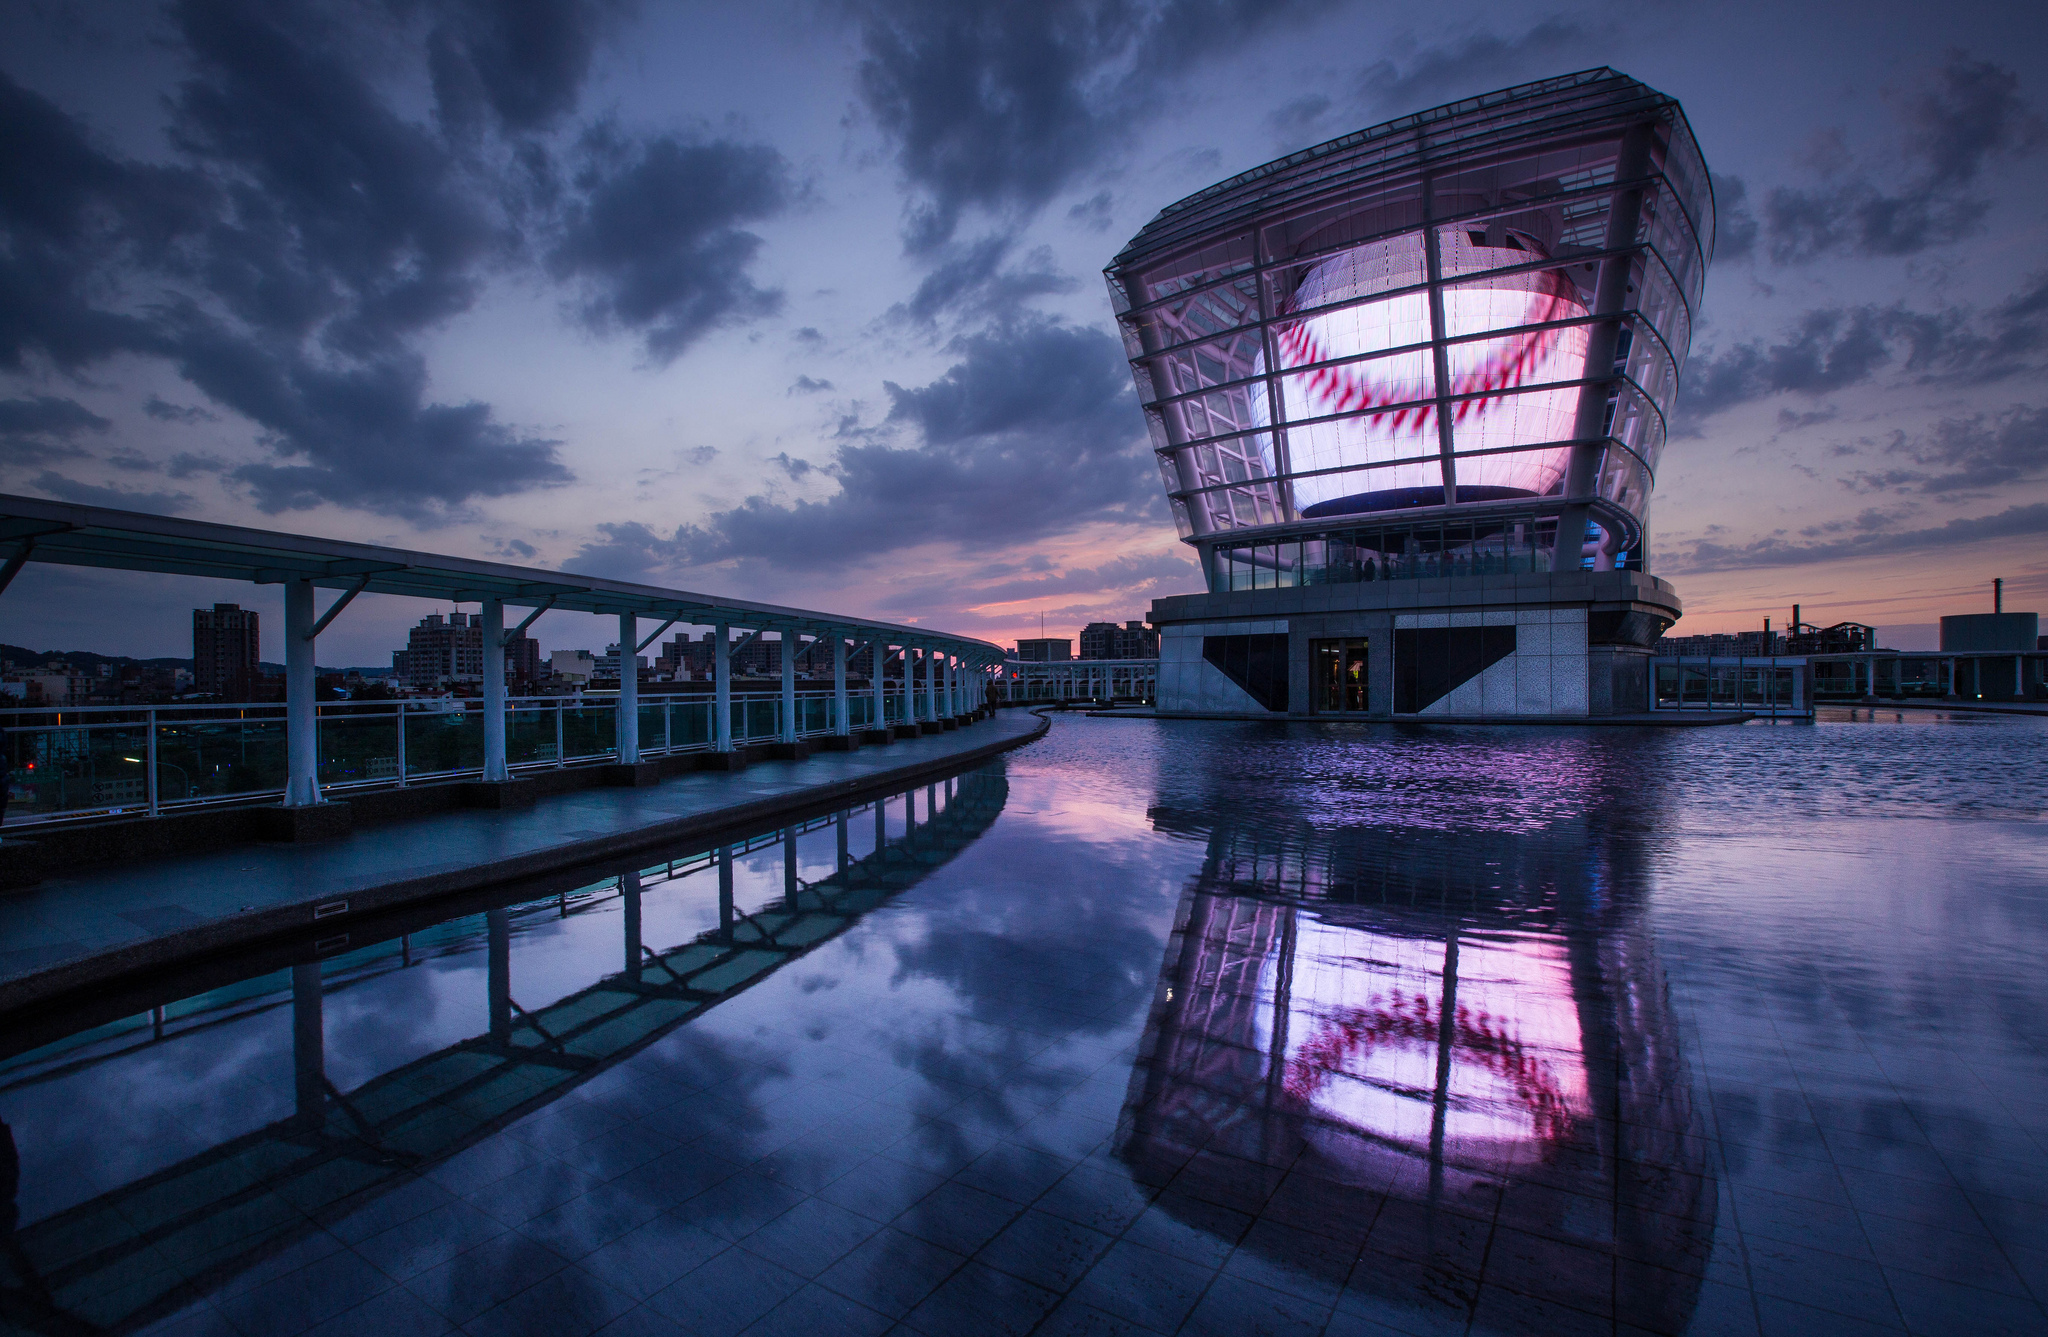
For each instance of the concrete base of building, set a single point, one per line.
(1524, 646)
(297, 826)
(635, 775)
(836, 742)
(499, 794)
(796, 751)
(21, 864)
(735, 760)
(906, 730)
(948, 724)
(930, 726)
(877, 737)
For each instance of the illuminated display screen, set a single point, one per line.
(1389, 399)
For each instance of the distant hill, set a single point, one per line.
(89, 661)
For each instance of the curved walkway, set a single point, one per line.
(71, 932)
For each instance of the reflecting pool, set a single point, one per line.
(1151, 1027)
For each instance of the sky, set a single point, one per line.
(803, 301)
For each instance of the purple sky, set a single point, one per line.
(803, 302)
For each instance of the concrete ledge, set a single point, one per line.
(335, 912)
(21, 864)
(877, 737)
(1672, 719)
(498, 794)
(735, 760)
(836, 742)
(948, 724)
(930, 727)
(796, 751)
(639, 775)
(906, 730)
(318, 821)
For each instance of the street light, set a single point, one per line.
(163, 765)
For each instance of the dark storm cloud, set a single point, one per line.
(1001, 107)
(2025, 522)
(1031, 433)
(1832, 348)
(1967, 115)
(113, 498)
(1735, 226)
(307, 234)
(1483, 62)
(165, 411)
(971, 281)
(656, 238)
(524, 62)
(44, 428)
(1977, 452)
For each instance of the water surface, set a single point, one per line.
(1150, 1027)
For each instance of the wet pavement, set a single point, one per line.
(1151, 1027)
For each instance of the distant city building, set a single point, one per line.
(608, 664)
(226, 646)
(449, 650)
(1107, 640)
(1045, 650)
(574, 666)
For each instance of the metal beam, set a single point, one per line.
(657, 633)
(334, 609)
(520, 630)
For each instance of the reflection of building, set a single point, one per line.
(226, 650)
(1407, 389)
(1433, 1038)
(1107, 640)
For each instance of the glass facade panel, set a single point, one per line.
(1433, 287)
(1338, 672)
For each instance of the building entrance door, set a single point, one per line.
(1337, 669)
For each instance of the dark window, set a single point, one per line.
(1256, 663)
(1432, 662)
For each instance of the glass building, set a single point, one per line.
(1441, 348)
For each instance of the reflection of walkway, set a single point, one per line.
(143, 1248)
(75, 930)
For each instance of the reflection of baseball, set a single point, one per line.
(1392, 396)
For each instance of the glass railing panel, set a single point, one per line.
(358, 746)
(590, 731)
(530, 737)
(443, 739)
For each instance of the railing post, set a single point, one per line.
(561, 736)
(398, 713)
(721, 689)
(148, 756)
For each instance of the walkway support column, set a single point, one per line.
(628, 728)
(301, 732)
(842, 716)
(931, 685)
(790, 642)
(879, 648)
(721, 690)
(495, 769)
(909, 691)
